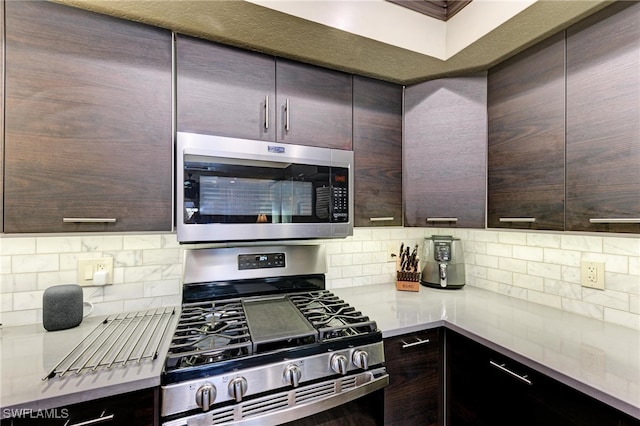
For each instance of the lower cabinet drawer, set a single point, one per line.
(139, 408)
(413, 396)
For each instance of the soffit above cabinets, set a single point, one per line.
(373, 38)
(443, 10)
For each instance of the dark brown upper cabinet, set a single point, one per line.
(445, 151)
(224, 91)
(88, 143)
(314, 105)
(377, 146)
(231, 92)
(526, 97)
(603, 121)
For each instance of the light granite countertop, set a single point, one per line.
(597, 358)
(29, 352)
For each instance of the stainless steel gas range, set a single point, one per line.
(261, 341)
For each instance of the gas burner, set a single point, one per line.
(209, 332)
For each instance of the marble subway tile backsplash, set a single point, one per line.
(543, 268)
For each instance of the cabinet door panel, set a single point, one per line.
(603, 128)
(445, 150)
(485, 387)
(88, 121)
(320, 105)
(526, 139)
(414, 364)
(139, 408)
(377, 145)
(223, 91)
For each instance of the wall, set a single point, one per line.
(540, 267)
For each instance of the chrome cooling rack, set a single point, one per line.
(117, 341)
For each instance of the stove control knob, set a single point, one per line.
(205, 396)
(292, 375)
(339, 364)
(360, 359)
(238, 388)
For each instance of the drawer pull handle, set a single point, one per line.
(89, 220)
(99, 420)
(501, 367)
(381, 219)
(416, 343)
(615, 220)
(518, 219)
(442, 219)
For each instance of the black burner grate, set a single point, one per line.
(214, 331)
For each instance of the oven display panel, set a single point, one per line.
(261, 261)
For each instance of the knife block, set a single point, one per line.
(407, 281)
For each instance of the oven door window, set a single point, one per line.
(236, 191)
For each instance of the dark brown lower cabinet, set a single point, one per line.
(414, 363)
(139, 408)
(485, 387)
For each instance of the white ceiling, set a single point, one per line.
(401, 27)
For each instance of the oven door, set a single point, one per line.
(353, 399)
(237, 189)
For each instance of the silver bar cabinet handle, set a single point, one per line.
(381, 219)
(501, 367)
(518, 219)
(95, 421)
(89, 219)
(615, 220)
(266, 112)
(419, 342)
(442, 219)
(286, 115)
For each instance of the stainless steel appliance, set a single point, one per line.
(261, 341)
(443, 262)
(237, 189)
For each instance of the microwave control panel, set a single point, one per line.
(340, 195)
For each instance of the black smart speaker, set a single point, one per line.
(62, 307)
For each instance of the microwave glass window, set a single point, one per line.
(224, 196)
(241, 193)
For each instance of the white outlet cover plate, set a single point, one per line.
(87, 267)
(585, 275)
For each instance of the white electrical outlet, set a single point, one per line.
(592, 274)
(88, 268)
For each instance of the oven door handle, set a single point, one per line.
(378, 379)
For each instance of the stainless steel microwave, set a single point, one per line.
(240, 190)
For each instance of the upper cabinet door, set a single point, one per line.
(87, 122)
(603, 122)
(526, 139)
(445, 151)
(224, 91)
(314, 105)
(377, 146)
